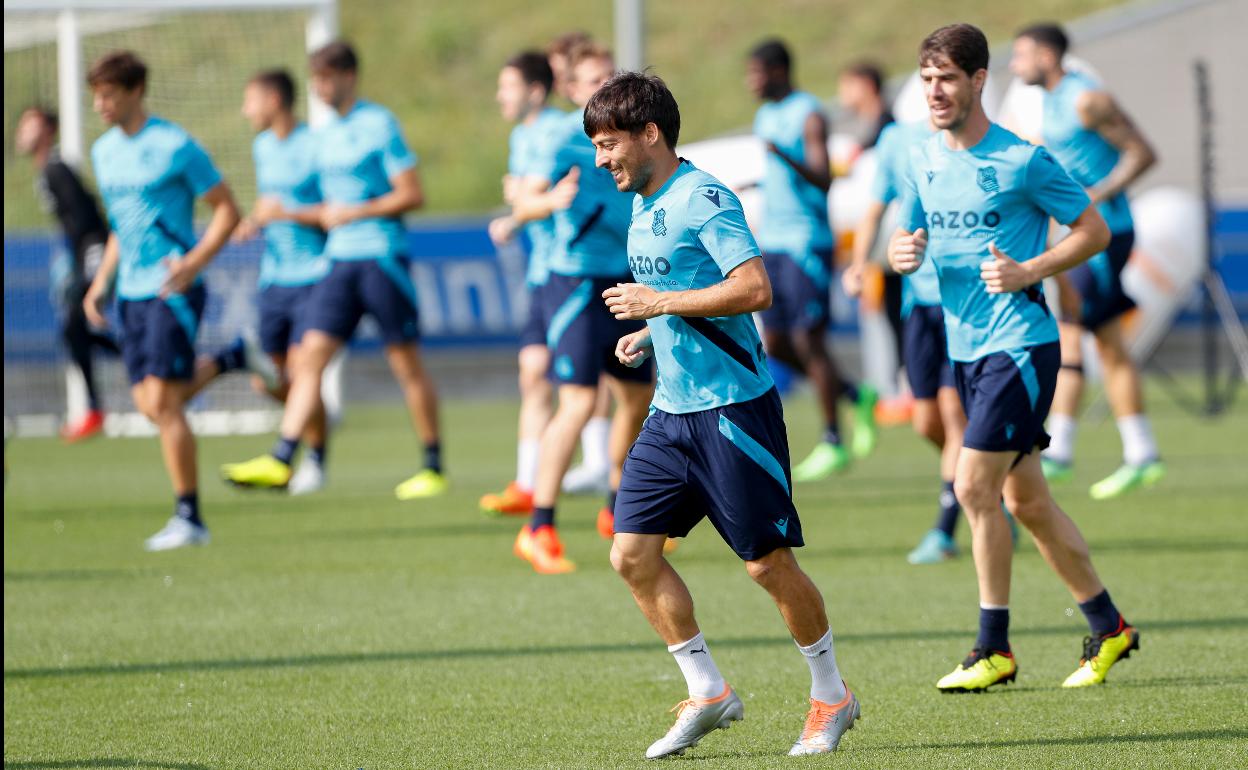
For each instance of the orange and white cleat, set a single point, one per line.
(697, 718)
(543, 550)
(606, 524)
(512, 501)
(825, 724)
(91, 424)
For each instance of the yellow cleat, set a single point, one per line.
(427, 483)
(1100, 654)
(981, 670)
(263, 472)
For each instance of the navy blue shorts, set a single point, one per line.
(927, 356)
(283, 316)
(729, 464)
(1099, 283)
(798, 301)
(582, 333)
(1007, 397)
(380, 287)
(158, 335)
(538, 321)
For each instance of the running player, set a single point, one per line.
(62, 193)
(150, 172)
(937, 414)
(286, 212)
(1102, 149)
(986, 197)
(368, 180)
(714, 444)
(524, 87)
(797, 250)
(591, 225)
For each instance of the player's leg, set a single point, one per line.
(1141, 460)
(79, 341)
(632, 397)
(421, 398)
(310, 475)
(1063, 547)
(1063, 422)
(593, 473)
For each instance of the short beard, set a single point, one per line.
(639, 180)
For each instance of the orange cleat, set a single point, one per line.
(512, 501)
(91, 424)
(670, 545)
(894, 411)
(606, 524)
(546, 552)
(523, 547)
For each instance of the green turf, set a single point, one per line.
(351, 631)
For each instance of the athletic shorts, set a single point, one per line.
(1007, 396)
(582, 333)
(924, 351)
(1099, 283)
(283, 316)
(538, 321)
(798, 301)
(158, 335)
(379, 287)
(729, 464)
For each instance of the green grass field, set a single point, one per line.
(352, 631)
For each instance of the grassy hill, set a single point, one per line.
(435, 64)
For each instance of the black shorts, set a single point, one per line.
(537, 323)
(283, 316)
(582, 334)
(1007, 396)
(158, 335)
(799, 302)
(379, 287)
(925, 353)
(1099, 283)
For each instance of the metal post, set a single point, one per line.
(1213, 401)
(69, 80)
(630, 34)
(322, 28)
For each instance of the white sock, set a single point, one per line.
(695, 663)
(1062, 429)
(594, 439)
(826, 685)
(1138, 444)
(526, 463)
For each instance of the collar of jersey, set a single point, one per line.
(684, 168)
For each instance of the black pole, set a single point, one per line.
(1209, 317)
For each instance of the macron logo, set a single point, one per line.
(783, 526)
(713, 197)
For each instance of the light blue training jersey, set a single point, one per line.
(689, 235)
(149, 183)
(524, 146)
(293, 253)
(795, 212)
(1084, 153)
(1003, 191)
(892, 154)
(357, 155)
(589, 235)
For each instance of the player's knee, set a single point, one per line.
(769, 569)
(1030, 510)
(976, 498)
(927, 423)
(633, 565)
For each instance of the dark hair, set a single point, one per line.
(588, 50)
(1047, 34)
(563, 45)
(534, 67)
(337, 56)
(118, 68)
(48, 116)
(279, 82)
(962, 44)
(869, 71)
(773, 53)
(631, 100)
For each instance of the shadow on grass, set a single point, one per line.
(415, 656)
(69, 575)
(1079, 740)
(105, 762)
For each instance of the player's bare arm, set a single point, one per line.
(1100, 113)
(93, 302)
(1088, 235)
(181, 272)
(537, 199)
(816, 167)
(744, 290)
(406, 195)
(864, 239)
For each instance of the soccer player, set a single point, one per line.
(286, 211)
(937, 414)
(1101, 147)
(714, 444)
(985, 197)
(62, 192)
(368, 180)
(524, 88)
(860, 90)
(150, 172)
(797, 250)
(588, 255)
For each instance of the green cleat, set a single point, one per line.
(427, 483)
(981, 669)
(1100, 654)
(1056, 471)
(1126, 478)
(824, 460)
(934, 548)
(865, 432)
(263, 472)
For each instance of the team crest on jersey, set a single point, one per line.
(986, 178)
(659, 225)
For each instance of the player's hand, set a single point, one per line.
(851, 280)
(245, 231)
(502, 230)
(511, 187)
(179, 276)
(93, 307)
(1002, 275)
(267, 210)
(336, 215)
(633, 349)
(565, 190)
(632, 302)
(906, 252)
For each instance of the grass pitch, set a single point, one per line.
(349, 630)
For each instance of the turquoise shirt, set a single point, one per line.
(689, 235)
(149, 183)
(526, 142)
(357, 155)
(1085, 154)
(590, 235)
(892, 153)
(284, 170)
(1003, 191)
(795, 212)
